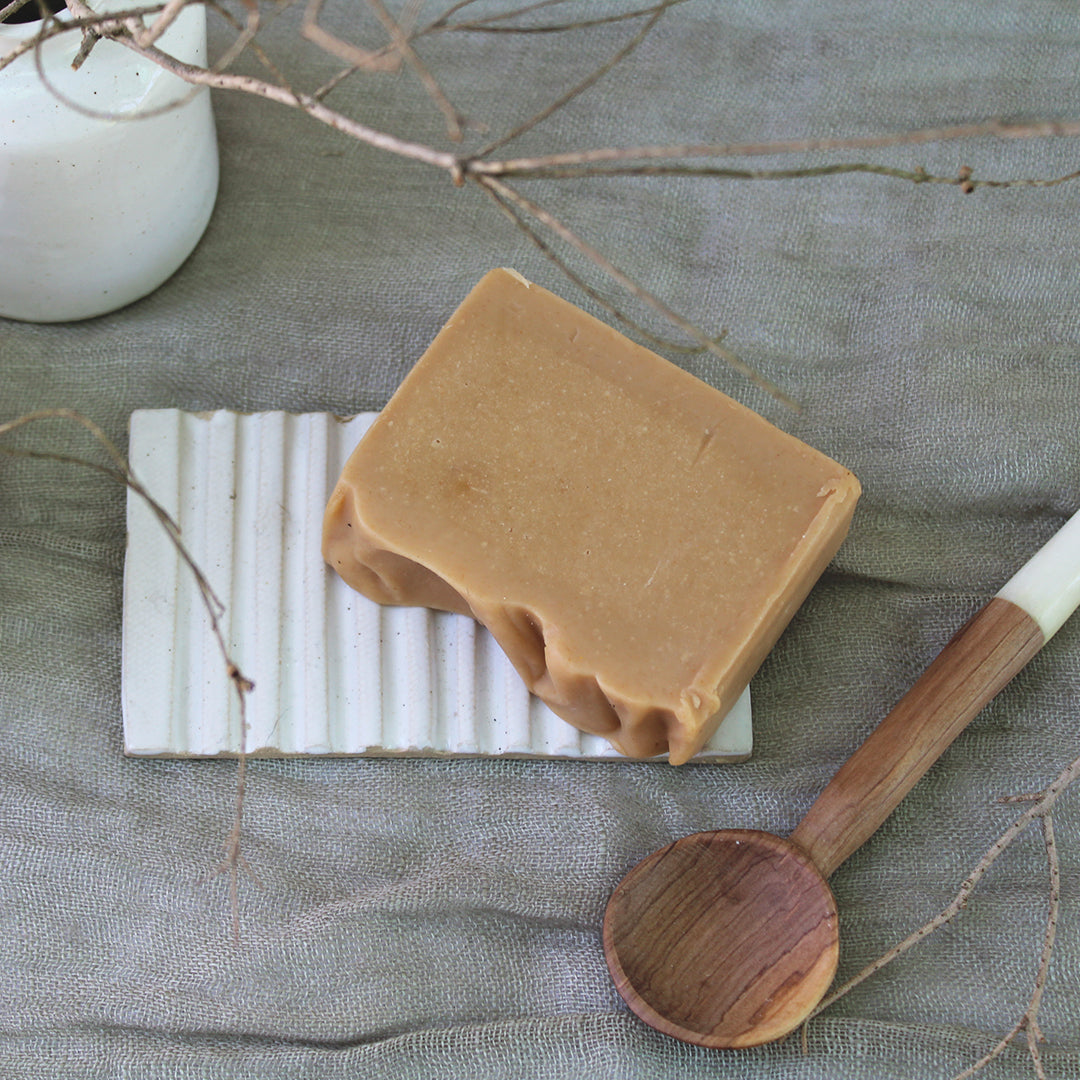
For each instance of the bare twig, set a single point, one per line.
(90, 38)
(387, 59)
(1028, 1022)
(165, 18)
(233, 860)
(282, 95)
(120, 471)
(1042, 805)
(246, 40)
(129, 30)
(15, 6)
(915, 137)
(491, 24)
(523, 224)
(964, 179)
(582, 86)
(398, 37)
(568, 236)
(93, 27)
(52, 27)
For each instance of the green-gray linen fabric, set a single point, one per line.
(441, 919)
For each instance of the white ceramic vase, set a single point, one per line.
(98, 210)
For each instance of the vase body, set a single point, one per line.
(108, 173)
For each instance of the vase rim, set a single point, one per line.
(23, 30)
(19, 18)
(14, 34)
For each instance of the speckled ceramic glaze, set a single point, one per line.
(104, 188)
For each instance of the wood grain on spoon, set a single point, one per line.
(974, 666)
(724, 939)
(730, 938)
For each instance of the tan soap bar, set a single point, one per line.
(634, 539)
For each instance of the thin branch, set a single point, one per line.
(568, 236)
(489, 23)
(199, 76)
(1043, 804)
(386, 59)
(52, 27)
(246, 40)
(1053, 862)
(581, 87)
(94, 27)
(90, 38)
(233, 860)
(387, 54)
(245, 37)
(15, 6)
(318, 110)
(576, 279)
(917, 137)
(120, 471)
(1029, 1022)
(962, 179)
(335, 81)
(400, 40)
(165, 18)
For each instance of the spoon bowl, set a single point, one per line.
(724, 939)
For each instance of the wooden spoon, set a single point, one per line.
(730, 938)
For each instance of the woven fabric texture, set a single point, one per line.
(441, 919)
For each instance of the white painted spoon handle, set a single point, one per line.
(1047, 586)
(979, 660)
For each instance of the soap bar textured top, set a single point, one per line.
(634, 539)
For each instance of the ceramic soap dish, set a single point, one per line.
(334, 673)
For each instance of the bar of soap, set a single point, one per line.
(635, 540)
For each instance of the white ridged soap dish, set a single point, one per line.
(334, 673)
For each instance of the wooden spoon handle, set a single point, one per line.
(979, 660)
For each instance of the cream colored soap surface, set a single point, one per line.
(633, 538)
